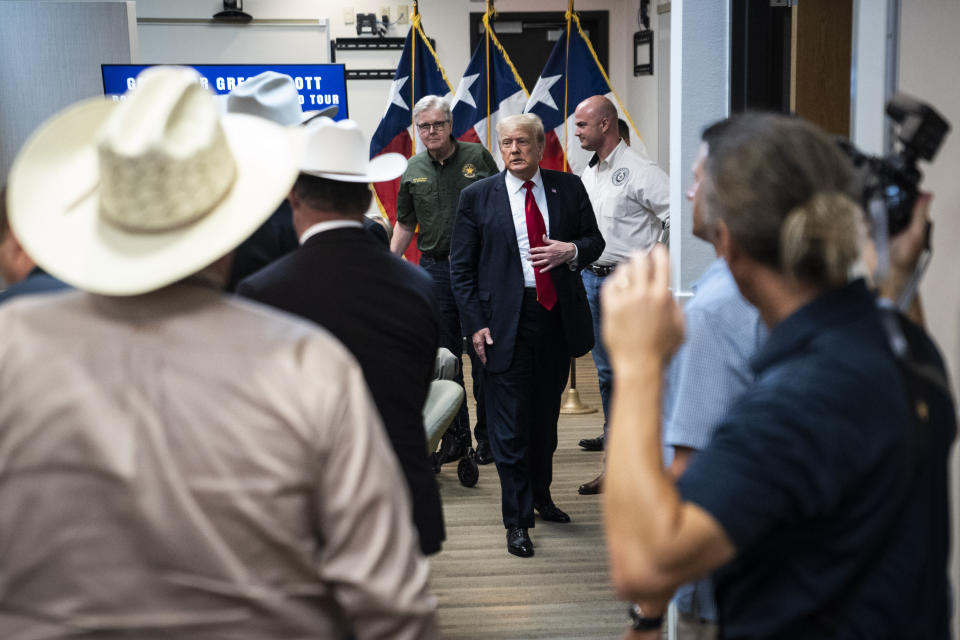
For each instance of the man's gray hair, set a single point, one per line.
(529, 122)
(432, 102)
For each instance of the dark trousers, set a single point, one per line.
(523, 405)
(451, 337)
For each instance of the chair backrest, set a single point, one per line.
(447, 366)
(443, 401)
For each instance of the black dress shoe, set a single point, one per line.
(519, 542)
(593, 487)
(551, 513)
(451, 449)
(592, 444)
(484, 455)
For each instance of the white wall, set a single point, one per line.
(641, 94)
(874, 31)
(929, 60)
(448, 22)
(699, 96)
(40, 80)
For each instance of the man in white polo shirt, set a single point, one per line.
(631, 199)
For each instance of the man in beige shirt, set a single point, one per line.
(176, 463)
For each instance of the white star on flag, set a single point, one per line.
(395, 97)
(541, 93)
(463, 91)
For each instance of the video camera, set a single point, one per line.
(894, 180)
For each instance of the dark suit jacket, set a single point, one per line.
(383, 309)
(485, 270)
(37, 281)
(275, 238)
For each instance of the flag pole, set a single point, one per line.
(414, 23)
(606, 78)
(571, 400)
(566, 80)
(486, 40)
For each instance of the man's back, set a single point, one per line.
(175, 469)
(832, 485)
(383, 311)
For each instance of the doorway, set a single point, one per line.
(793, 59)
(529, 37)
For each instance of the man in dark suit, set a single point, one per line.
(382, 308)
(274, 96)
(18, 272)
(522, 301)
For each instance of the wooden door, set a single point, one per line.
(793, 59)
(821, 46)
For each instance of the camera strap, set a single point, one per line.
(920, 380)
(909, 292)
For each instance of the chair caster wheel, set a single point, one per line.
(467, 470)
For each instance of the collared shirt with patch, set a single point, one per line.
(430, 191)
(631, 199)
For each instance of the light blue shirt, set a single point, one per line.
(706, 376)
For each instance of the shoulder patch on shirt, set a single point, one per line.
(469, 171)
(419, 180)
(620, 176)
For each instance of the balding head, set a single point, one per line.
(596, 125)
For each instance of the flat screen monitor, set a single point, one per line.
(319, 85)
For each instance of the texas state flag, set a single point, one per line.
(418, 74)
(490, 89)
(569, 77)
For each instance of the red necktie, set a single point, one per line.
(546, 294)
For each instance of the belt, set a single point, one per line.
(439, 257)
(601, 269)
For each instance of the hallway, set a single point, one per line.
(564, 590)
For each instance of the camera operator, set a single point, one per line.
(821, 501)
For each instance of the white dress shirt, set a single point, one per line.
(518, 199)
(329, 225)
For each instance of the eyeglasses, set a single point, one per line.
(436, 126)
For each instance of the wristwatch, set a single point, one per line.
(641, 622)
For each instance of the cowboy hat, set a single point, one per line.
(338, 151)
(273, 96)
(122, 198)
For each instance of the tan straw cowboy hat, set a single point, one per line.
(121, 198)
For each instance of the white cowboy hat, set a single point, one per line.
(122, 198)
(273, 96)
(339, 150)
